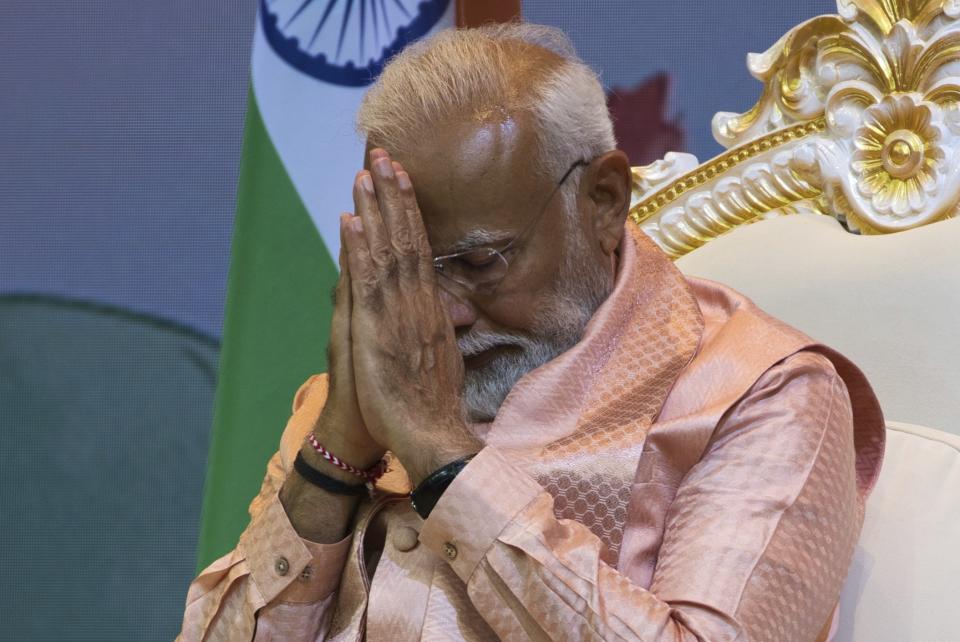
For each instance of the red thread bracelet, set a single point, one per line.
(371, 475)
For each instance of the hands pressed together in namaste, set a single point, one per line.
(396, 375)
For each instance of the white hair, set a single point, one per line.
(489, 73)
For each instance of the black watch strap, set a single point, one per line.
(327, 483)
(425, 496)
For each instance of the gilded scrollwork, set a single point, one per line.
(866, 102)
(777, 183)
(648, 178)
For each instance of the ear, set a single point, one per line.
(606, 185)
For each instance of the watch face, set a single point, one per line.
(345, 42)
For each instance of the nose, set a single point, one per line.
(462, 313)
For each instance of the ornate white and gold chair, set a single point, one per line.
(835, 209)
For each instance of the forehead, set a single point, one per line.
(476, 175)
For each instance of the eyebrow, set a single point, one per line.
(477, 238)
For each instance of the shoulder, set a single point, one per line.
(807, 367)
(805, 379)
(797, 398)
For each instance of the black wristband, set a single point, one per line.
(318, 479)
(428, 493)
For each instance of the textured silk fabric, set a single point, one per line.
(692, 470)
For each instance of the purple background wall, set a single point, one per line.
(120, 132)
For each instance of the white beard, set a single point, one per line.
(582, 287)
(486, 387)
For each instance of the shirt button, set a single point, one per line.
(405, 539)
(450, 551)
(281, 566)
(306, 574)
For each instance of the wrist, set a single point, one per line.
(420, 462)
(315, 514)
(429, 491)
(316, 456)
(319, 511)
(339, 437)
(316, 461)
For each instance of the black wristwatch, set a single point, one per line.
(425, 496)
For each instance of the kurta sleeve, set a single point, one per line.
(274, 585)
(756, 546)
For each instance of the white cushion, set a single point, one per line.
(904, 583)
(890, 303)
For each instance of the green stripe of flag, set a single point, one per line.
(275, 333)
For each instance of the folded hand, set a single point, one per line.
(409, 372)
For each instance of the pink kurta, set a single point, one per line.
(692, 470)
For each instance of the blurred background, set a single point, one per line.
(121, 126)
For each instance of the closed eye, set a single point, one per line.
(478, 259)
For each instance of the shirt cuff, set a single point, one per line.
(484, 498)
(284, 566)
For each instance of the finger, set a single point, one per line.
(413, 264)
(418, 232)
(393, 212)
(338, 350)
(374, 232)
(378, 152)
(343, 302)
(365, 281)
(342, 295)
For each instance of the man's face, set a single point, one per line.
(477, 187)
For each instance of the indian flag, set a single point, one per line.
(312, 62)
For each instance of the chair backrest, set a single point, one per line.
(858, 124)
(890, 303)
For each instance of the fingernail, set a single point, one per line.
(384, 167)
(367, 183)
(356, 224)
(403, 180)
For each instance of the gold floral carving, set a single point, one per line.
(898, 155)
(860, 111)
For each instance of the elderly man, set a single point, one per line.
(597, 447)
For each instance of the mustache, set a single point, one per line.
(474, 343)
